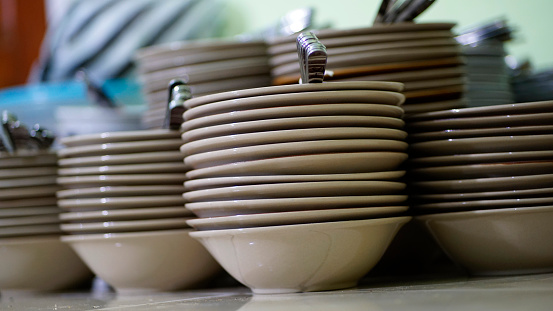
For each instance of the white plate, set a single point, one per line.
(411, 108)
(272, 137)
(499, 110)
(252, 153)
(482, 145)
(285, 114)
(524, 193)
(294, 88)
(296, 217)
(117, 137)
(125, 226)
(30, 230)
(127, 214)
(124, 180)
(296, 189)
(31, 192)
(484, 204)
(339, 41)
(28, 159)
(120, 202)
(484, 184)
(482, 132)
(119, 148)
(111, 191)
(155, 168)
(378, 57)
(118, 159)
(296, 99)
(333, 52)
(49, 200)
(483, 170)
(29, 220)
(205, 183)
(476, 158)
(30, 211)
(7, 173)
(245, 207)
(330, 163)
(28, 182)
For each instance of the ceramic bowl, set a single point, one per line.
(327, 163)
(39, 264)
(279, 205)
(42, 171)
(27, 159)
(296, 190)
(483, 170)
(149, 168)
(287, 149)
(123, 159)
(113, 226)
(479, 158)
(88, 204)
(481, 132)
(295, 99)
(126, 214)
(282, 136)
(295, 217)
(121, 148)
(207, 183)
(145, 261)
(304, 257)
(117, 191)
(117, 137)
(295, 117)
(120, 180)
(496, 242)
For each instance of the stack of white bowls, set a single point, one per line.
(297, 187)
(31, 254)
(425, 57)
(485, 177)
(125, 214)
(206, 66)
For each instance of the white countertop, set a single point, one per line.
(527, 292)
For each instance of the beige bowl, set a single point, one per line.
(328, 163)
(126, 225)
(28, 159)
(483, 170)
(145, 261)
(289, 117)
(304, 257)
(280, 150)
(39, 264)
(121, 180)
(117, 191)
(272, 137)
(115, 137)
(88, 204)
(126, 214)
(277, 205)
(496, 242)
(149, 168)
(121, 148)
(296, 190)
(126, 159)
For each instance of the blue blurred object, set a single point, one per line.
(37, 103)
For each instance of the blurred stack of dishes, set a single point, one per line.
(487, 73)
(31, 254)
(533, 86)
(484, 176)
(125, 213)
(425, 57)
(298, 187)
(206, 66)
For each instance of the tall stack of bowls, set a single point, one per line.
(124, 211)
(484, 178)
(32, 258)
(297, 187)
(206, 66)
(425, 57)
(488, 81)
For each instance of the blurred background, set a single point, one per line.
(43, 43)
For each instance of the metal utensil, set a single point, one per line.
(414, 9)
(179, 92)
(94, 92)
(398, 7)
(312, 56)
(384, 7)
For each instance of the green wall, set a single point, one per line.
(532, 19)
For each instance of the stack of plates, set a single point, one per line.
(487, 74)
(296, 163)
(425, 57)
(207, 66)
(495, 162)
(125, 212)
(30, 226)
